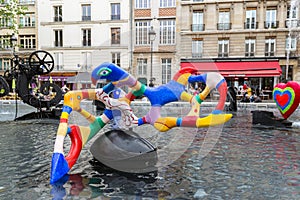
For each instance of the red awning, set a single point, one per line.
(238, 69)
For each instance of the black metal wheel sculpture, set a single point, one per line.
(41, 62)
(53, 91)
(4, 87)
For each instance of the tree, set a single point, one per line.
(11, 10)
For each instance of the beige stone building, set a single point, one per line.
(256, 42)
(26, 37)
(154, 36)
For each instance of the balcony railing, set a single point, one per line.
(270, 53)
(196, 55)
(57, 18)
(249, 54)
(253, 25)
(198, 27)
(115, 17)
(58, 43)
(271, 24)
(86, 43)
(59, 67)
(223, 55)
(224, 26)
(292, 23)
(86, 18)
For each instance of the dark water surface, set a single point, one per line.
(245, 163)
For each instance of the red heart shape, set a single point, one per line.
(287, 97)
(282, 99)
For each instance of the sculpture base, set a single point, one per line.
(267, 118)
(125, 152)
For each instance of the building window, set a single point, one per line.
(224, 20)
(57, 13)
(197, 21)
(142, 66)
(291, 43)
(58, 38)
(5, 22)
(27, 41)
(58, 60)
(86, 60)
(292, 12)
(197, 48)
(86, 37)
(166, 65)
(4, 64)
(223, 45)
(270, 47)
(250, 19)
(116, 58)
(292, 17)
(167, 32)
(115, 11)
(86, 12)
(28, 20)
(142, 4)
(271, 16)
(5, 42)
(141, 32)
(115, 36)
(249, 47)
(167, 3)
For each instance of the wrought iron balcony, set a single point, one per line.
(224, 26)
(115, 17)
(198, 27)
(249, 54)
(271, 24)
(86, 18)
(252, 25)
(223, 55)
(292, 23)
(58, 19)
(196, 55)
(270, 53)
(58, 43)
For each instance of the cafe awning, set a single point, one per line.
(238, 69)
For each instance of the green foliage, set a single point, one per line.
(10, 9)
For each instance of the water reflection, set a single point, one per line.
(246, 163)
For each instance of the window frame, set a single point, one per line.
(197, 48)
(167, 32)
(58, 38)
(166, 70)
(115, 35)
(115, 11)
(223, 48)
(86, 12)
(86, 37)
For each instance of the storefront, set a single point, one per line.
(59, 78)
(261, 75)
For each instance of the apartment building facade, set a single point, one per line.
(26, 36)
(246, 41)
(82, 34)
(154, 36)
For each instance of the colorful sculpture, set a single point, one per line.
(287, 97)
(158, 97)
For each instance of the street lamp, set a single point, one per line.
(13, 42)
(152, 36)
